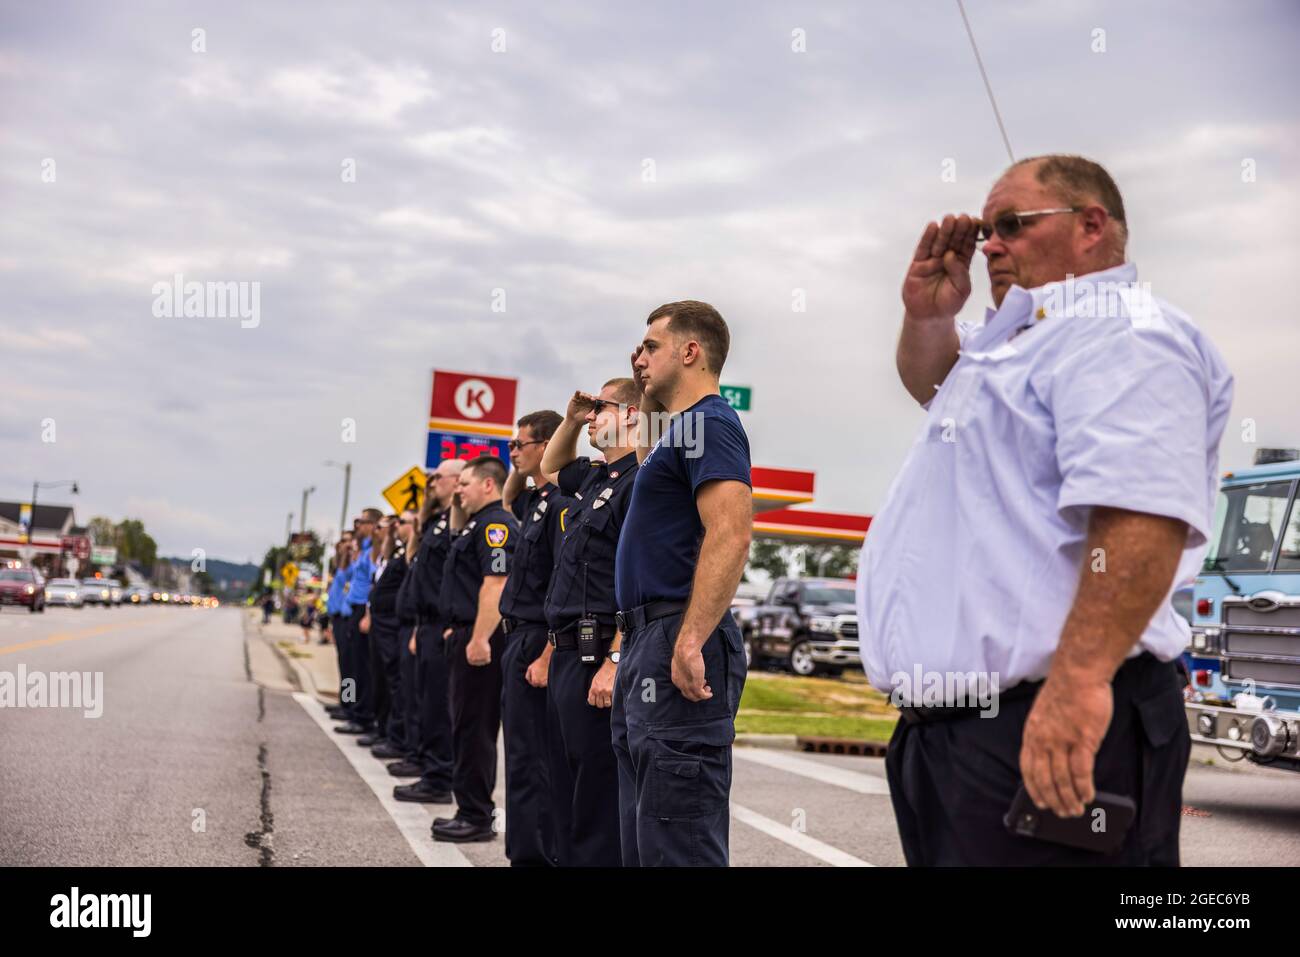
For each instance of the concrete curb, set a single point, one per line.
(784, 742)
(301, 675)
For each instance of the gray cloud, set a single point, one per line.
(522, 170)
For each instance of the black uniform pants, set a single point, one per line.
(389, 708)
(674, 755)
(363, 712)
(434, 745)
(529, 830)
(583, 769)
(475, 693)
(952, 781)
(407, 668)
(338, 630)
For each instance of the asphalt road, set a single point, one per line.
(204, 754)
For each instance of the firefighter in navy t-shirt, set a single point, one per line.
(681, 555)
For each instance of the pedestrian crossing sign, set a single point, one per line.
(407, 492)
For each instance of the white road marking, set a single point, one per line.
(826, 773)
(411, 819)
(809, 845)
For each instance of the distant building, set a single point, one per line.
(51, 525)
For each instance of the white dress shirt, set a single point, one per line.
(973, 561)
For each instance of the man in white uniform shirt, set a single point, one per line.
(1014, 588)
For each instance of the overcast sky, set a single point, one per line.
(524, 169)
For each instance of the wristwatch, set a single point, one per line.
(613, 656)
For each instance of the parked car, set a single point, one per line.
(22, 585)
(809, 625)
(63, 591)
(114, 590)
(95, 591)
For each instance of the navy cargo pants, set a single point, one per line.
(674, 755)
(584, 771)
(529, 830)
(363, 710)
(433, 750)
(475, 695)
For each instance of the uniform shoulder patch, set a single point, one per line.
(496, 534)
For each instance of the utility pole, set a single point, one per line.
(347, 484)
(302, 518)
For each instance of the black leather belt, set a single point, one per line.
(642, 615)
(514, 624)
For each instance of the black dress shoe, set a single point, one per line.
(406, 769)
(421, 793)
(440, 821)
(352, 728)
(335, 709)
(458, 831)
(385, 751)
(370, 740)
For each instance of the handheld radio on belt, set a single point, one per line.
(588, 629)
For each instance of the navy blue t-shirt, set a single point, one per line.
(660, 542)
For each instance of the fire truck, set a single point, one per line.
(1244, 657)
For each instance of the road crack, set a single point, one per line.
(262, 839)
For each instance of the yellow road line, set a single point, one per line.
(68, 636)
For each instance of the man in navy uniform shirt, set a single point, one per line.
(680, 557)
(584, 772)
(433, 753)
(357, 683)
(385, 637)
(473, 579)
(529, 829)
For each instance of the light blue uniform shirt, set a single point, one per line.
(359, 590)
(334, 599)
(973, 561)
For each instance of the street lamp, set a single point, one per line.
(37, 486)
(347, 483)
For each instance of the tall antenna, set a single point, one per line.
(980, 63)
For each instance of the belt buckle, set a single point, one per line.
(620, 622)
(550, 638)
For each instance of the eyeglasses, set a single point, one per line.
(406, 521)
(1008, 225)
(514, 445)
(599, 404)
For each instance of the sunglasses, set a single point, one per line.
(1009, 225)
(599, 404)
(514, 445)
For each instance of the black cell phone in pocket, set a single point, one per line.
(1102, 827)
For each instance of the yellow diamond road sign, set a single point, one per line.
(289, 574)
(408, 491)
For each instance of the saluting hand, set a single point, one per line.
(688, 672)
(937, 283)
(579, 406)
(1061, 737)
